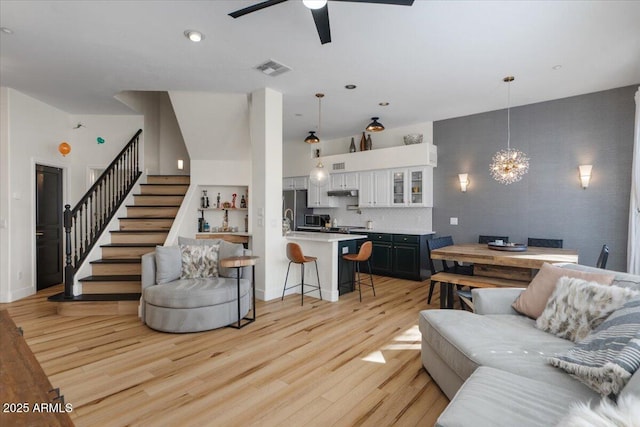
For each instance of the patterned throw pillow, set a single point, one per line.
(607, 357)
(199, 261)
(576, 307)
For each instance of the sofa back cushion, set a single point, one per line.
(623, 280)
(228, 249)
(533, 300)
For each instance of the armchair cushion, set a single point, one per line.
(169, 264)
(199, 261)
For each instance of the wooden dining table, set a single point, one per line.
(504, 268)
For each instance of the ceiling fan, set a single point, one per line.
(319, 10)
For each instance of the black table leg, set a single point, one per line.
(248, 319)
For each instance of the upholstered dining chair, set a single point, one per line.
(441, 242)
(544, 243)
(604, 256)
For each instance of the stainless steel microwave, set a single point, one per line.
(316, 220)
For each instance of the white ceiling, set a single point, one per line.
(431, 61)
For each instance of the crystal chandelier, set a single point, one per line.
(508, 166)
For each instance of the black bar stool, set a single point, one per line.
(364, 254)
(295, 255)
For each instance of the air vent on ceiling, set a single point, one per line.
(337, 166)
(272, 68)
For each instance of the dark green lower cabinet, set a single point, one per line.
(398, 255)
(406, 260)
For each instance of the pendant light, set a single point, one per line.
(318, 175)
(508, 166)
(314, 4)
(312, 138)
(375, 125)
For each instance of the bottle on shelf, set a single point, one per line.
(243, 202)
(218, 201)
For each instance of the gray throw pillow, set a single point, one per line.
(199, 261)
(168, 264)
(608, 356)
(227, 250)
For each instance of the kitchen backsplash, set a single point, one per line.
(383, 218)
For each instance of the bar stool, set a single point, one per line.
(295, 255)
(364, 254)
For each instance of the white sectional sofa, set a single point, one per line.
(492, 364)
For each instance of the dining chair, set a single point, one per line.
(486, 239)
(437, 243)
(544, 243)
(604, 256)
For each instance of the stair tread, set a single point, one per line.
(96, 297)
(168, 183)
(159, 195)
(146, 218)
(139, 231)
(112, 278)
(116, 261)
(153, 206)
(129, 245)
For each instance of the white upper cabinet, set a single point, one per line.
(412, 187)
(375, 189)
(344, 181)
(295, 183)
(317, 196)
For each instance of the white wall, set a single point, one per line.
(31, 133)
(215, 126)
(162, 138)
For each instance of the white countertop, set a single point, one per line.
(417, 232)
(322, 237)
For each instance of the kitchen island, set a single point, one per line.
(328, 248)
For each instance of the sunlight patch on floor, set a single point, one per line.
(375, 357)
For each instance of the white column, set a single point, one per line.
(265, 192)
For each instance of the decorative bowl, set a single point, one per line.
(414, 138)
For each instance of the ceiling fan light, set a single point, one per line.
(375, 125)
(312, 138)
(314, 4)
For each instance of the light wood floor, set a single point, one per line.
(345, 364)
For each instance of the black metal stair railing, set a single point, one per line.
(84, 224)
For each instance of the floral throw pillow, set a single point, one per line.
(576, 307)
(199, 261)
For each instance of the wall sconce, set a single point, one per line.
(585, 175)
(464, 181)
(180, 164)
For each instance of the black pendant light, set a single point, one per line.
(375, 125)
(312, 138)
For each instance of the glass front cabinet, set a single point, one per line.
(412, 187)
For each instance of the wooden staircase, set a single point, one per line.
(114, 285)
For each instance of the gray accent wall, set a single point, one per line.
(548, 202)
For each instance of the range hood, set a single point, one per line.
(343, 193)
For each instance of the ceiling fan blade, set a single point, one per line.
(321, 18)
(255, 7)
(396, 2)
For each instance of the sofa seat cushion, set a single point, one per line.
(507, 342)
(492, 397)
(192, 293)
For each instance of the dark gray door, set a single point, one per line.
(48, 226)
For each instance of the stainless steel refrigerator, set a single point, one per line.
(296, 200)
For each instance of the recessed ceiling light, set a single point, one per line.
(350, 86)
(556, 67)
(383, 104)
(194, 36)
(6, 30)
